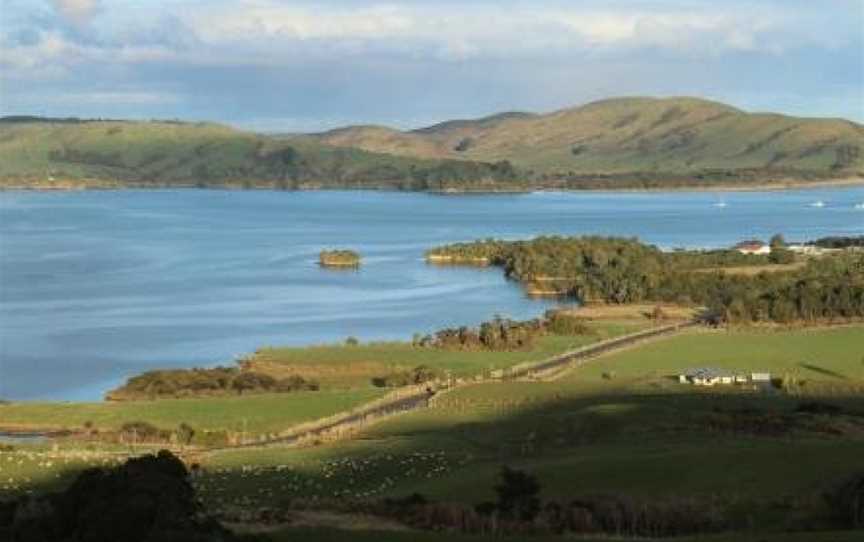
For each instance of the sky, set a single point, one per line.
(303, 65)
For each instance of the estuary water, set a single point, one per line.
(97, 286)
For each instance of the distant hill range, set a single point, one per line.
(616, 143)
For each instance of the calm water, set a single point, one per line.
(96, 286)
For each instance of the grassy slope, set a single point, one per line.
(671, 135)
(635, 434)
(827, 356)
(579, 434)
(676, 137)
(154, 153)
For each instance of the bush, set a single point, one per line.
(846, 501)
(198, 382)
(138, 431)
(296, 383)
(185, 433)
(781, 256)
(517, 495)
(818, 407)
(415, 376)
(562, 323)
(498, 335)
(252, 381)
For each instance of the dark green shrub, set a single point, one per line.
(562, 323)
(517, 495)
(415, 376)
(185, 433)
(139, 431)
(846, 501)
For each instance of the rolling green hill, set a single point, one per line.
(68, 153)
(617, 143)
(628, 135)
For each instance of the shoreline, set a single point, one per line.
(777, 186)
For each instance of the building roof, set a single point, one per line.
(707, 372)
(753, 244)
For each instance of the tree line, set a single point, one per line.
(618, 271)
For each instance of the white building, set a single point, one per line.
(710, 376)
(753, 247)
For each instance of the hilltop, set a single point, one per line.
(630, 135)
(615, 143)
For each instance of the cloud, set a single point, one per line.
(77, 11)
(474, 30)
(312, 62)
(53, 54)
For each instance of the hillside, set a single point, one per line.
(617, 143)
(69, 153)
(627, 135)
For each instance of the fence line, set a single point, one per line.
(410, 398)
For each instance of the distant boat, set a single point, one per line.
(720, 204)
(859, 206)
(819, 203)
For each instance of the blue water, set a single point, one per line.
(96, 286)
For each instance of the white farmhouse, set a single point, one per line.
(753, 247)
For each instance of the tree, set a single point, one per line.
(781, 255)
(185, 434)
(777, 241)
(517, 495)
(147, 499)
(250, 381)
(846, 501)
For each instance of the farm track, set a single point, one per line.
(342, 425)
(558, 366)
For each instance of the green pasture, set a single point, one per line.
(252, 413)
(636, 434)
(28, 470)
(341, 365)
(828, 356)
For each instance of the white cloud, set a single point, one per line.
(465, 30)
(54, 55)
(274, 33)
(77, 11)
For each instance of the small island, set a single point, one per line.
(339, 258)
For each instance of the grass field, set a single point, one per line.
(578, 434)
(830, 357)
(637, 434)
(28, 470)
(343, 366)
(252, 413)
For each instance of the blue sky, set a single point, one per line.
(279, 65)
